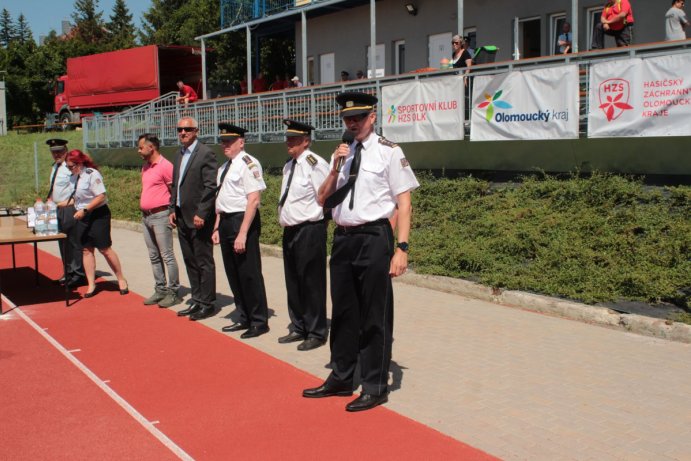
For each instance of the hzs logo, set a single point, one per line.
(614, 97)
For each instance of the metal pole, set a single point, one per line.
(203, 70)
(574, 26)
(36, 164)
(460, 18)
(249, 59)
(303, 18)
(373, 38)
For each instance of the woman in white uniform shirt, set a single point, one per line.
(93, 216)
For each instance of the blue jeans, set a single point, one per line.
(158, 236)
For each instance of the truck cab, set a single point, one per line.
(61, 103)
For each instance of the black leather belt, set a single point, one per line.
(230, 215)
(303, 224)
(362, 227)
(158, 209)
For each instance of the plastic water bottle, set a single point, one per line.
(52, 214)
(41, 223)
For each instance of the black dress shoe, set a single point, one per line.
(327, 390)
(310, 343)
(291, 338)
(203, 313)
(190, 310)
(60, 281)
(235, 327)
(367, 401)
(253, 332)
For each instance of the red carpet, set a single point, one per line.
(214, 396)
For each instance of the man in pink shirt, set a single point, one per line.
(157, 178)
(617, 21)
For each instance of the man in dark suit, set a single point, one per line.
(192, 211)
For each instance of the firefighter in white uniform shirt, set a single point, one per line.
(368, 180)
(237, 229)
(304, 239)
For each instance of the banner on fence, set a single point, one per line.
(430, 110)
(536, 104)
(640, 97)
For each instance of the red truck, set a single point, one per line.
(113, 81)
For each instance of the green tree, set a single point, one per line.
(88, 22)
(24, 34)
(120, 27)
(8, 30)
(177, 22)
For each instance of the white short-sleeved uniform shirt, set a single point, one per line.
(301, 203)
(384, 173)
(244, 177)
(89, 185)
(62, 187)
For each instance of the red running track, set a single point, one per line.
(213, 396)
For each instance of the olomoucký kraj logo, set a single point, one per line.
(492, 102)
(614, 97)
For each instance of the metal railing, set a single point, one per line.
(262, 114)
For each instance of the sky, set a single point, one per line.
(46, 15)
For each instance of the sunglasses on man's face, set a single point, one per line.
(186, 129)
(355, 118)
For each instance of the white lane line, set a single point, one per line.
(71, 351)
(172, 446)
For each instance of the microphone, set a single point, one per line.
(347, 138)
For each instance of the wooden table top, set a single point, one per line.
(14, 230)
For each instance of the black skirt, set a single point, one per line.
(94, 229)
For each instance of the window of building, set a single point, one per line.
(309, 80)
(556, 22)
(327, 71)
(529, 38)
(399, 57)
(593, 16)
(379, 61)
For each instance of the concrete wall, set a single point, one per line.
(347, 33)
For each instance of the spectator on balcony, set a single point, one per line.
(676, 22)
(564, 39)
(345, 76)
(360, 75)
(278, 84)
(259, 83)
(187, 93)
(616, 21)
(295, 82)
(460, 58)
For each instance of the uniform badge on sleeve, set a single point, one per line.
(404, 162)
(255, 172)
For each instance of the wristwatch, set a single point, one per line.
(403, 246)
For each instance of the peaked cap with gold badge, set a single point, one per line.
(353, 103)
(295, 128)
(228, 132)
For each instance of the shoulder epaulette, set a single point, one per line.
(247, 159)
(88, 171)
(311, 160)
(387, 143)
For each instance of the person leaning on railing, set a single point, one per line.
(616, 21)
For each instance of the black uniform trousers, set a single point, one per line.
(362, 297)
(198, 254)
(244, 270)
(304, 264)
(71, 250)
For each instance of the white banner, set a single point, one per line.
(430, 110)
(640, 97)
(536, 104)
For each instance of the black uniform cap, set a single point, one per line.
(353, 103)
(228, 131)
(295, 128)
(56, 145)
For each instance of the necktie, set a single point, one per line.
(223, 176)
(290, 179)
(337, 197)
(52, 180)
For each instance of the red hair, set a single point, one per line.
(79, 157)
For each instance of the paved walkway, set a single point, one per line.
(516, 384)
